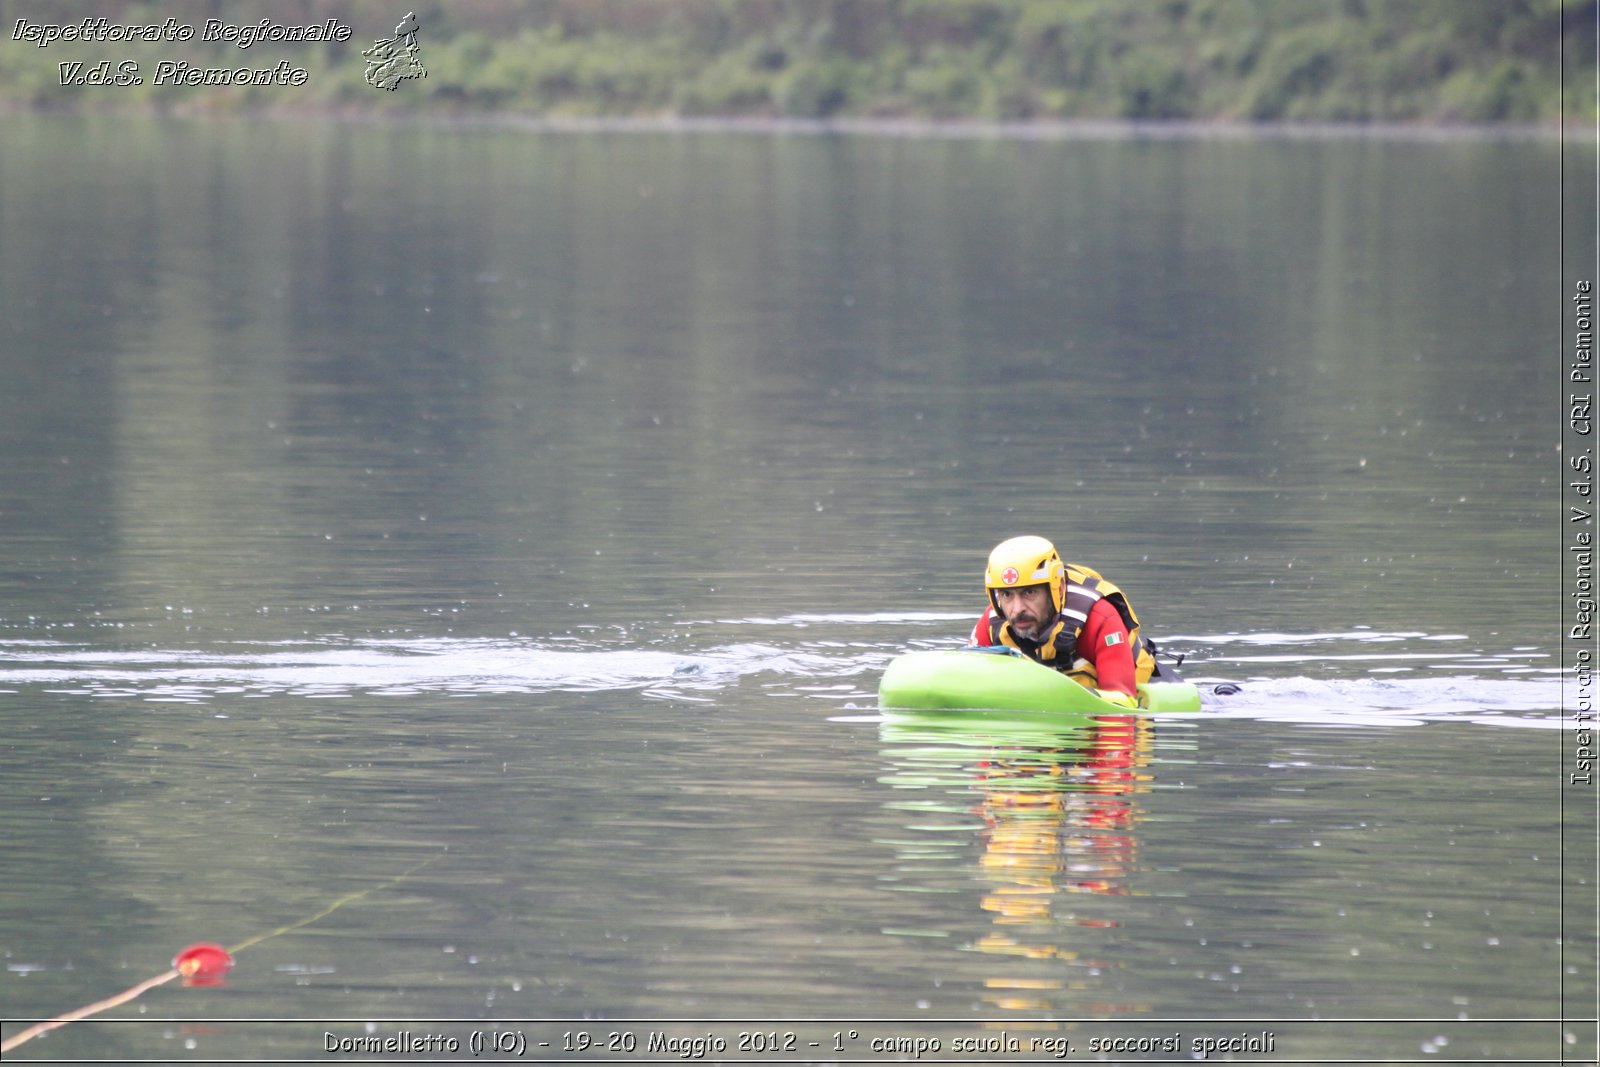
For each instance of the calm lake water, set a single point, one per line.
(467, 556)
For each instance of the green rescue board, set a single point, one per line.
(984, 685)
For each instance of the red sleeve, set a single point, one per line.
(1104, 643)
(980, 632)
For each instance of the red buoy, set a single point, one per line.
(203, 963)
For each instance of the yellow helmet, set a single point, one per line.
(1024, 561)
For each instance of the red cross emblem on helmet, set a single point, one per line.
(1010, 576)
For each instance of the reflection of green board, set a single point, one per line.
(965, 683)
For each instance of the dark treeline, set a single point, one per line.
(1428, 61)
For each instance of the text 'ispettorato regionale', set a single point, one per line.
(243, 34)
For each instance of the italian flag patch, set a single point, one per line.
(1113, 639)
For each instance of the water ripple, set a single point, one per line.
(1353, 677)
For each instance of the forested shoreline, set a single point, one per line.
(1431, 62)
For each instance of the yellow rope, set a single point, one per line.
(331, 908)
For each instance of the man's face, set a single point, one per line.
(1027, 609)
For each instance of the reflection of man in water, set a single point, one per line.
(1057, 820)
(393, 61)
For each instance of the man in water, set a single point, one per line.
(1065, 616)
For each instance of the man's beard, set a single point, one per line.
(1031, 630)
